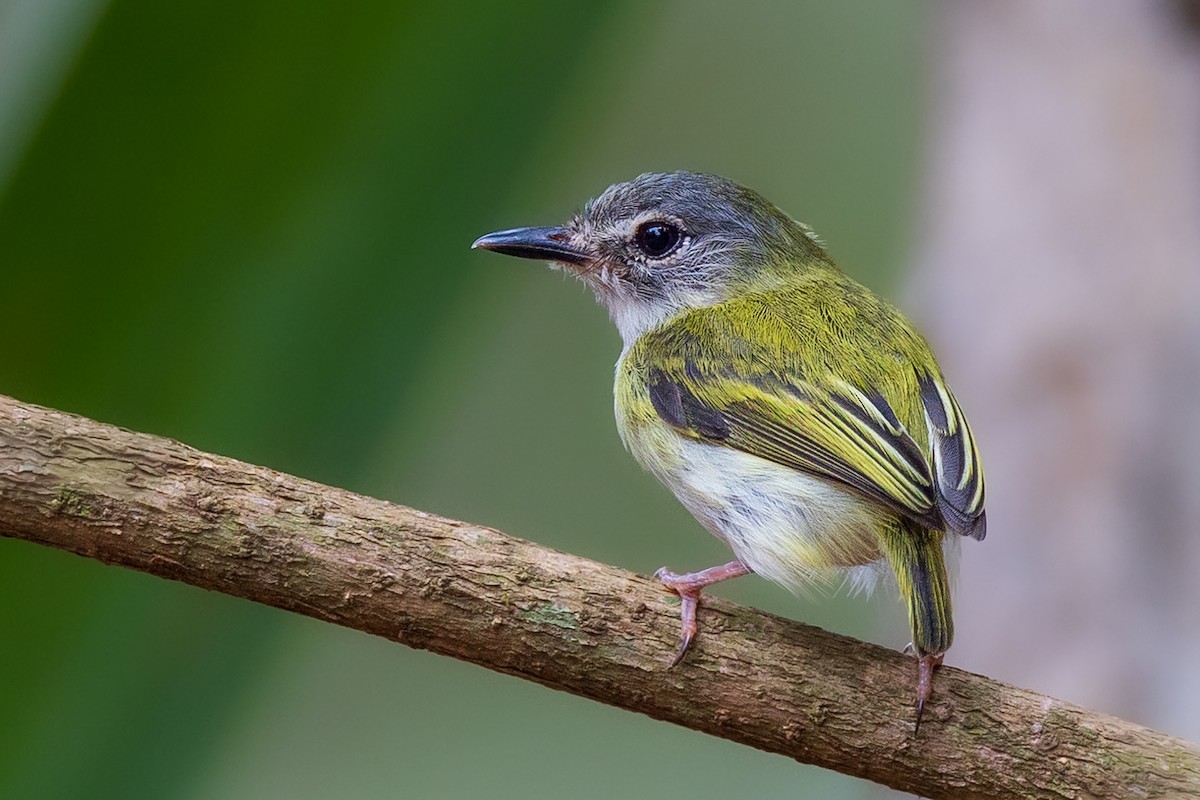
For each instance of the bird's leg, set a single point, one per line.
(926, 662)
(688, 587)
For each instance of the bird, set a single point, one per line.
(799, 417)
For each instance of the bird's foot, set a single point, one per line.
(689, 600)
(688, 586)
(926, 663)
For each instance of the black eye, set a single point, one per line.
(657, 239)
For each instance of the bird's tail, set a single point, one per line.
(915, 554)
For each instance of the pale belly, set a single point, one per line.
(789, 527)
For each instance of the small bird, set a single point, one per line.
(799, 418)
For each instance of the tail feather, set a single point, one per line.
(916, 557)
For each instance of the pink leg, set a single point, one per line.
(925, 666)
(688, 587)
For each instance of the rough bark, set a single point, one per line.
(474, 593)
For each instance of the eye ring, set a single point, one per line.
(658, 238)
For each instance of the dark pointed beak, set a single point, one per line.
(551, 244)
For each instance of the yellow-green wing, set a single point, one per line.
(836, 431)
(781, 375)
(847, 434)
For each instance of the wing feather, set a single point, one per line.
(836, 431)
(956, 465)
(776, 375)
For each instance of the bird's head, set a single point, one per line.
(667, 242)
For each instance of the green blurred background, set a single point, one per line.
(245, 225)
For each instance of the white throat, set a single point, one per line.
(634, 317)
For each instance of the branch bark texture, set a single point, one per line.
(473, 593)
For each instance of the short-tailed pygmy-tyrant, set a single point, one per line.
(799, 417)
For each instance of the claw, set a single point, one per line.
(688, 603)
(925, 666)
(688, 587)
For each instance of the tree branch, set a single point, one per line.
(572, 624)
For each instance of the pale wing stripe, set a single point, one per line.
(885, 471)
(868, 406)
(972, 470)
(903, 491)
(897, 458)
(955, 459)
(894, 477)
(947, 403)
(913, 463)
(939, 429)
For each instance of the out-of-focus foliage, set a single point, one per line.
(245, 226)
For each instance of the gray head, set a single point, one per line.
(666, 242)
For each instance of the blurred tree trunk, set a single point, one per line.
(1060, 280)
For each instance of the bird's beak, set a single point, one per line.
(551, 244)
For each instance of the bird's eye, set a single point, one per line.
(657, 239)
